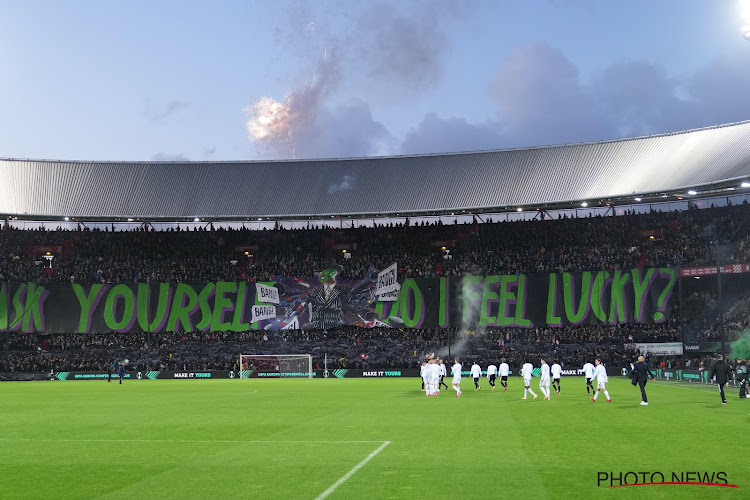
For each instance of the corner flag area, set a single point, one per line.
(367, 438)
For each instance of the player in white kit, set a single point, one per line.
(492, 375)
(556, 373)
(432, 378)
(600, 374)
(544, 379)
(588, 372)
(526, 373)
(476, 374)
(456, 371)
(423, 374)
(435, 377)
(504, 370)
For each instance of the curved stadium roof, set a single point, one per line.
(477, 181)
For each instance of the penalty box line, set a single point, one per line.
(349, 474)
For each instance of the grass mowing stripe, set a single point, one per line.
(349, 474)
(238, 441)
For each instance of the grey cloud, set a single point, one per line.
(446, 135)
(720, 91)
(157, 113)
(170, 157)
(541, 100)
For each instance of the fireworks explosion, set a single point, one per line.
(270, 120)
(284, 125)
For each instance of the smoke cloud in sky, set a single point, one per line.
(538, 93)
(400, 46)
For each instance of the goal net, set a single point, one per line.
(276, 366)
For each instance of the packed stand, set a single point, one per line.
(689, 238)
(346, 347)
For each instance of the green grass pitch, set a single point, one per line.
(296, 439)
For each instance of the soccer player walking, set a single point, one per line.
(423, 374)
(121, 370)
(476, 373)
(456, 371)
(527, 372)
(544, 379)
(491, 375)
(556, 373)
(600, 374)
(588, 372)
(504, 371)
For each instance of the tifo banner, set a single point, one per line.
(659, 349)
(604, 297)
(320, 303)
(327, 300)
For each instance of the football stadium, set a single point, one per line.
(193, 346)
(564, 321)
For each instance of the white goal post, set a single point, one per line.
(276, 366)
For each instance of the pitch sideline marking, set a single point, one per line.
(349, 474)
(174, 441)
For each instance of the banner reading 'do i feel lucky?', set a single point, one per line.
(328, 300)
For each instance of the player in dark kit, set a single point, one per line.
(723, 373)
(121, 370)
(110, 369)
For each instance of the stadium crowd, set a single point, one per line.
(658, 239)
(346, 347)
(670, 239)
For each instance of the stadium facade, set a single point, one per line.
(709, 160)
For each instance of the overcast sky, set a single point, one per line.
(247, 80)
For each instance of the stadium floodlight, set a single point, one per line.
(692, 192)
(638, 199)
(584, 204)
(745, 184)
(276, 366)
(519, 209)
(66, 219)
(196, 219)
(745, 15)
